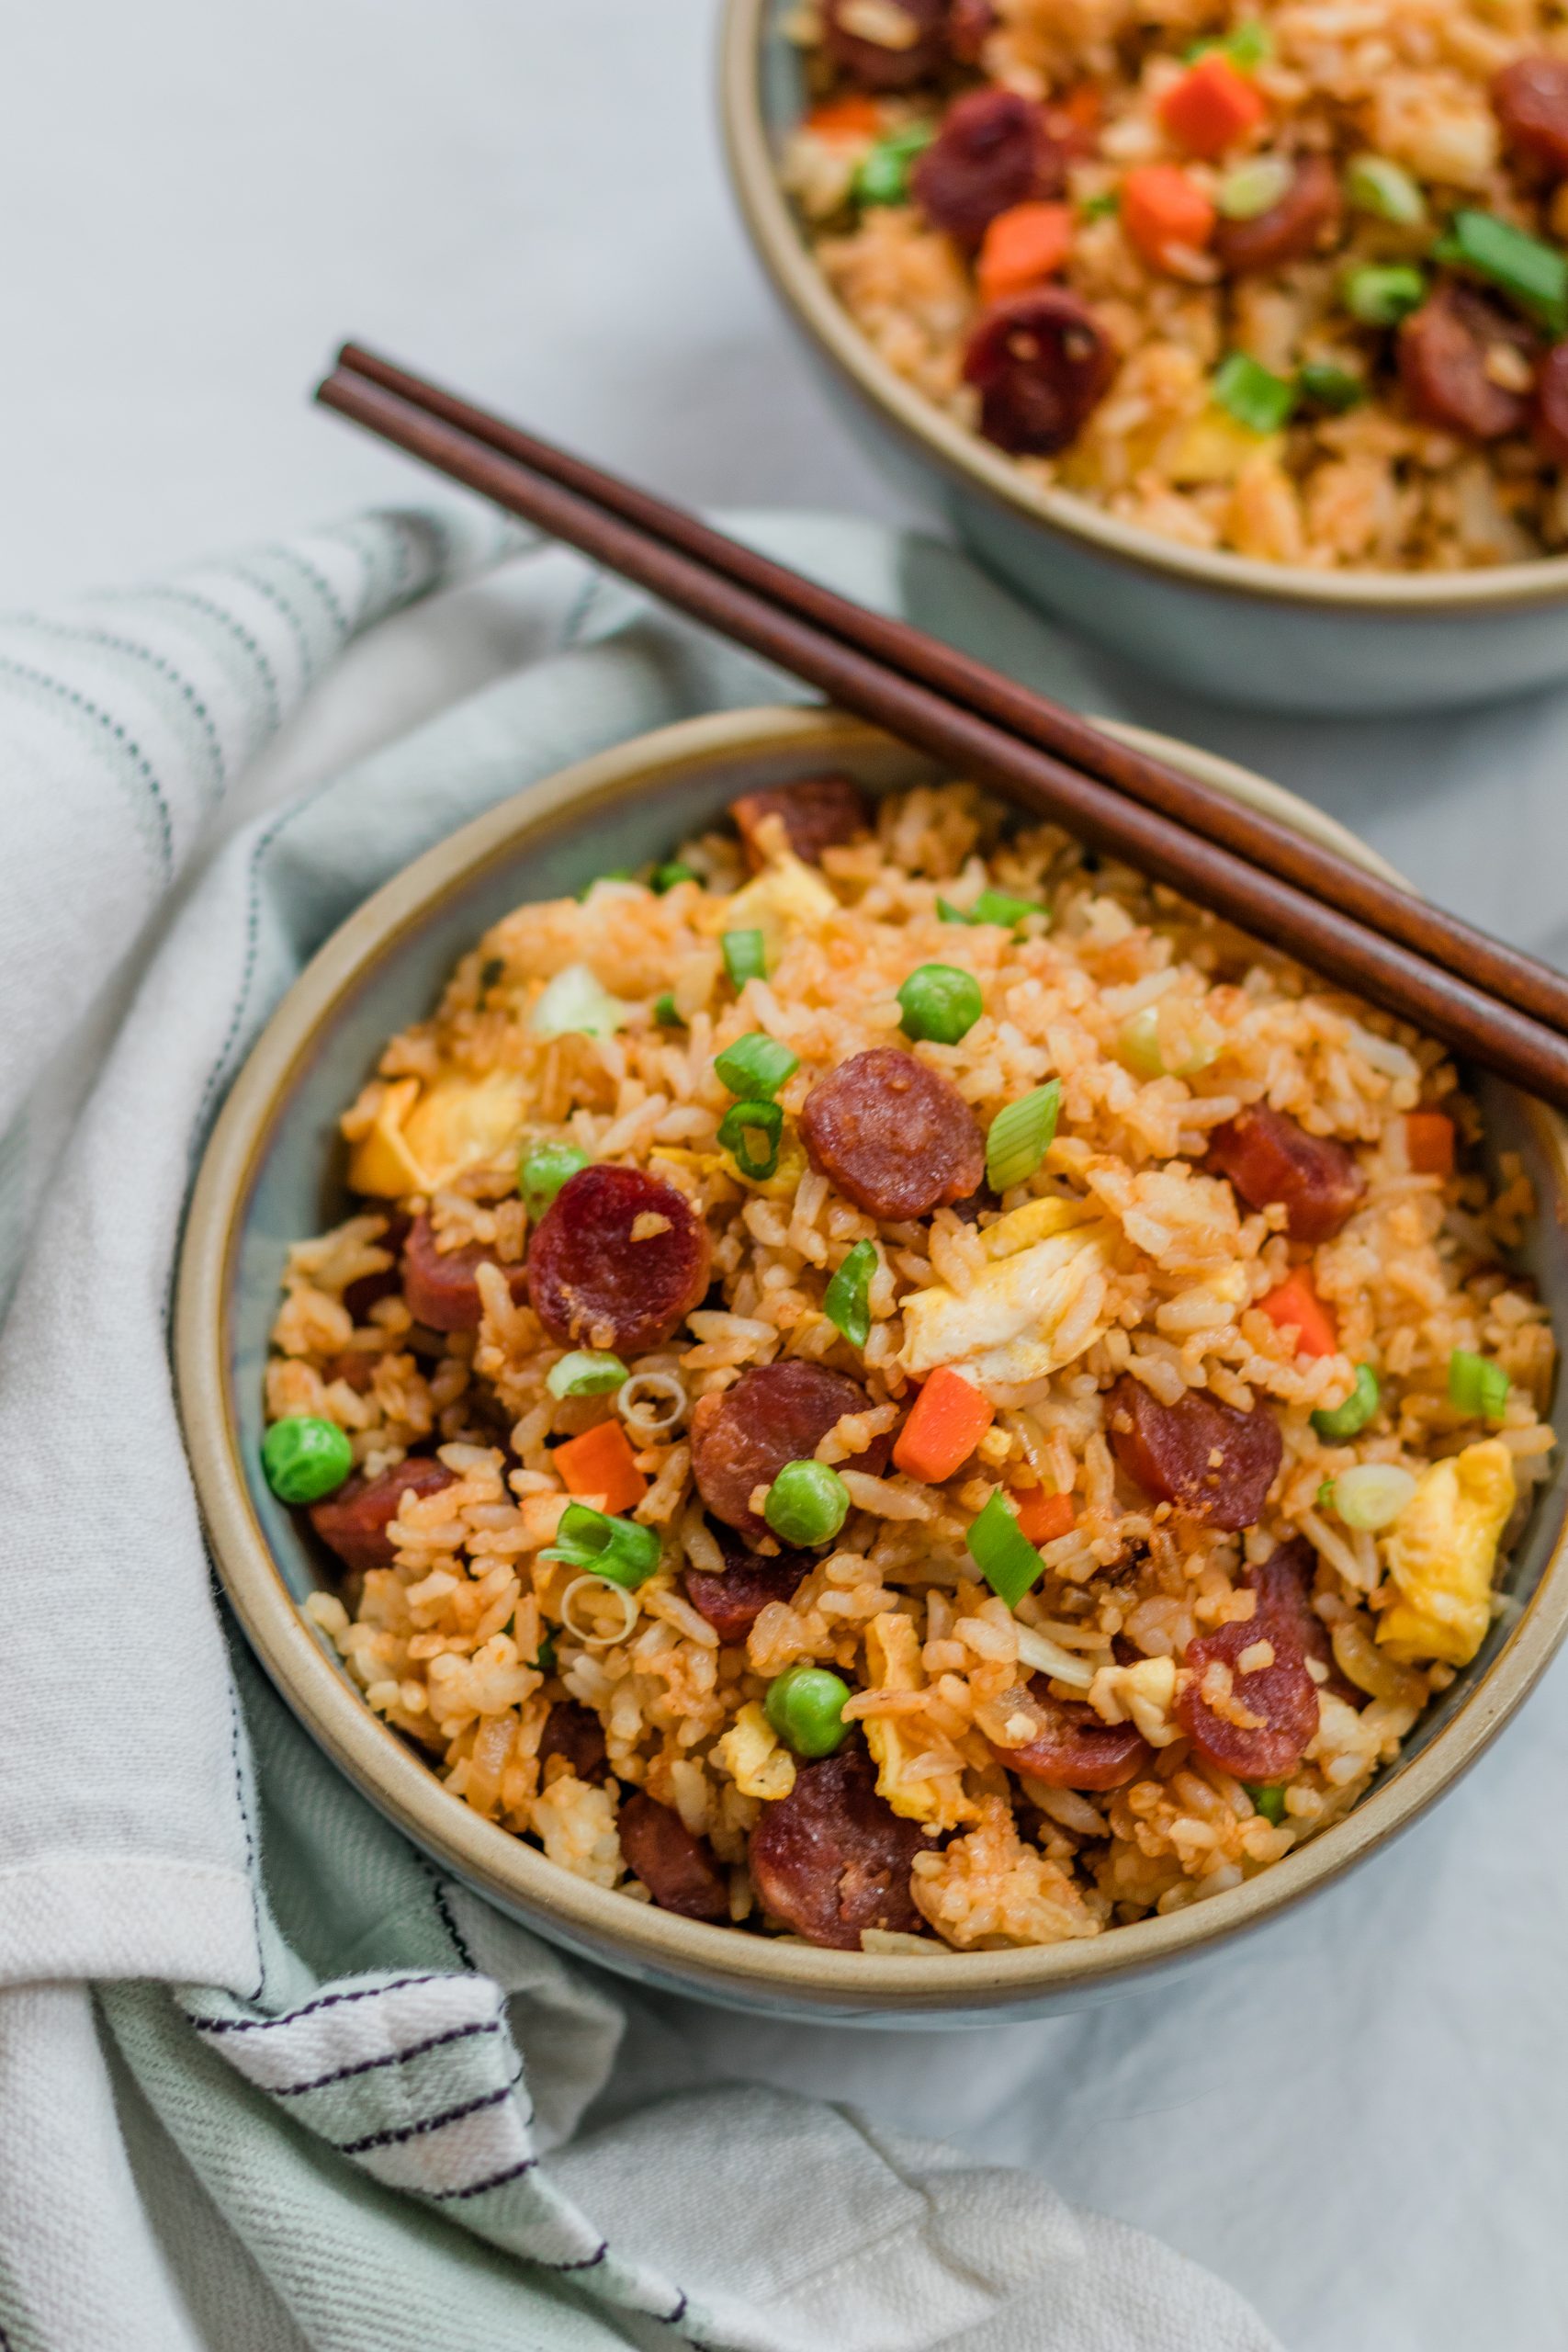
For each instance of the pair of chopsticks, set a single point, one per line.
(1486, 1000)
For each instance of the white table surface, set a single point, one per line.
(1358, 2120)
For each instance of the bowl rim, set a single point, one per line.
(702, 1957)
(1543, 580)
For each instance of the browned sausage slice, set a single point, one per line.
(895, 1136)
(1269, 1158)
(1072, 1748)
(905, 52)
(1253, 1720)
(833, 1858)
(1204, 1456)
(1042, 363)
(1451, 353)
(820, 812)
(354, 1521)
(679, 1869)
(1283, 1585)
(733, 1602)
(619, 1261)
(441, 1286)
(1306, 220)
(775, 1413)
(1531, 100)
(994, 149)
(575, 1732)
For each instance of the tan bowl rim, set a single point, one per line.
(377, 1760)
(1542, 581)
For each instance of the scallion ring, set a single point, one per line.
(592, 1639)
(739, 1125)
(652, 1405)
(1003, 1553)
(1477, 1386)
(846, 1300)
(586, 1372)
(1021, 1134)
(755, 1066)
(618, 1549)
(745, 956)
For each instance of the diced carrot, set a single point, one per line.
(852, 117)
(600, 1462)
(949, 1419)
(1211, 107)
(1163, 211)
(1023, 246)
(1295, 1301)
(1043, 1517)
(1429, 1143)
(1074, 119)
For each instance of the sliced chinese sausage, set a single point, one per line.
(1253, 1720)
(619, 1261)
(1072, 1748)
(1529, 99)
(442, 1285)
(575, 1732)
(354, 1521)
(885, 44)
(1283, 1584)
(1269, 1158)
(1457, 354)
(733, 1601)
(833, 1858)
(895, 1136)
(820, 812)
(1550, 419)
(1306, 220)
(994, 149)
(360, 1297)
(775, 1413)
(1042, 363)
(678, 1868)
(1199, 1455)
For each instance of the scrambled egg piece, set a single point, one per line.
(421, 1136)
(1441, 1552)
(1214, 448)
(750, 1752)
(785, 897)
(1033, 1309)
(893, 1663)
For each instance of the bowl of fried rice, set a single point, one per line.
(1233, 332)
(868, 1416)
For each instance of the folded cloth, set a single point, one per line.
(327, 2098)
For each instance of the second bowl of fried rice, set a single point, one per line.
(868, 1415)
(1235, 331)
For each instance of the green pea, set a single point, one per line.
(807, 1503)
(1341, 1422)
(806, 1707)
(543, 1170)
(666, 876)
(940, 1002)
(1268, 1796)
(305, 1458)
(1380, 296)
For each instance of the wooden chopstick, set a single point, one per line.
(1316, 931)
(1442, 938)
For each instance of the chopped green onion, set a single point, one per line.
(544, 1660)
(1372, 1494)
(1254, 189)
(576, 1003)
(1324, 1498)
(666, 876)
(1247, 45)
(1252, 395)
(739, 1123)
(305, 1457)
(1138, 1048)
(543, 1170)
(807, 1503)
(992, 905)
(1531, 272)
(1003, 1553)
(1380, 295)
(940, 1002)
(745, 956)
(756, 1067)
(1374, 185)
(586, 1372)
(805, 1706)
(949, 912)
(1020, 1136)
(883, 174)
(1101, 207)
(1477, 1386)
(614, 873)
(1341, 1422)
(1335, 389)
(845, 1301)
(1268, 1796)
(617, 1549)
(666, 1014)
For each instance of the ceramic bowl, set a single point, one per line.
(1226, 625)
(273, 1171)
